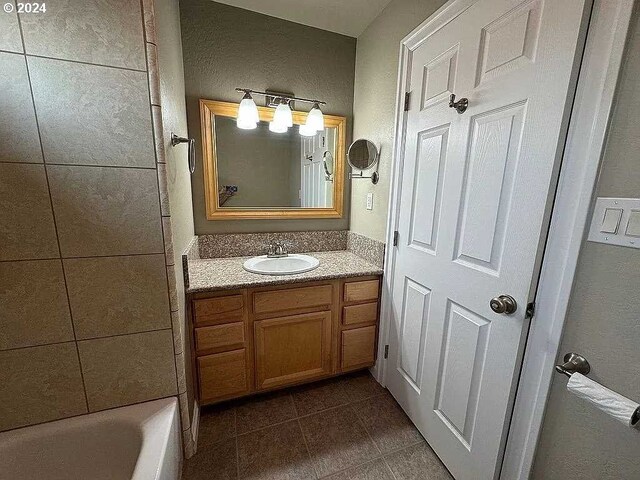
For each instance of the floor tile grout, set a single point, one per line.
(298, 416)
(378, 456)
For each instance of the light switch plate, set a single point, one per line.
(615, 221)
(369, 201)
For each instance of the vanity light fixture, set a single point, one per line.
(282, 119)
(282, 115)
(315, 119)
(248, 116)
(276, 127)
(306, 131)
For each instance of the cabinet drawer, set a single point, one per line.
(212, 311)
(292, 349)
(358, 347)
(364, 313)
(222, 375)
(219, 336)
(292, 299)
(361, 291)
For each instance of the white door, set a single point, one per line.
(313, 181)
(474, 204)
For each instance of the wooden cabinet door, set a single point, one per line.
(223, 375)
(292, 349)
(358, 348)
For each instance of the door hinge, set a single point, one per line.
(386, 351)
(396, 236)
(407, 100)
(531, 310)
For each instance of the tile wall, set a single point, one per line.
(85, 299)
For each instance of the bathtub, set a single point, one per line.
(138, 442)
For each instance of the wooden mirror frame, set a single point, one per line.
(209, 109)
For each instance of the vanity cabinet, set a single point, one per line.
(265, 338)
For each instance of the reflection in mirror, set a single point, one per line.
(272, 170)
(362, 154)
(328, 165)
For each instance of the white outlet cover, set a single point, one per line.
(369, 201)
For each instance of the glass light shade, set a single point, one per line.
(282, 115)
(305, 131)
(245, 125)
(247, 112)
(277, 128)
(315, 119)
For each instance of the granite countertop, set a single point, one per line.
(227, 273)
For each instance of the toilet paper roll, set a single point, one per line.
(610, 402)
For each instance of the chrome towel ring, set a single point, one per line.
(176, 140)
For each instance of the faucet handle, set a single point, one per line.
(271, 248)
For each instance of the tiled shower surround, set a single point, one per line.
(87, 276)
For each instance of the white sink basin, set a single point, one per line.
(288, 265)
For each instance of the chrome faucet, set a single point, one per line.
(277, 250)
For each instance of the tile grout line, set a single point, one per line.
(53, 217)
(309, 414)
(84, 165)
(81, 62)
(235, 428)
(157, 183)
(304, 439)
(81, 257)
(79, 340)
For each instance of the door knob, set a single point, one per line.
(504, 304)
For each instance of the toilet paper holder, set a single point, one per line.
(576, 363)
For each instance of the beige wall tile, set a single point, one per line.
(149, 20)
(106, 211)
(33, 304)
(26, 222)
(128, 369)
(154, 74)
(18, 119)
(92, 115)
(40, 384)
(10, 31)
(108, 32)
(117, 295)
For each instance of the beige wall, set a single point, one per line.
(375, 103)
(603, 322)
(176, 204)
(85, 312)
(227, 47)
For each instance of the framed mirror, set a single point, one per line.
(259, 174)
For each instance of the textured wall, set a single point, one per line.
(177, 207)
(84, 306)
(603, 322)
(375, 103)
(226, 47)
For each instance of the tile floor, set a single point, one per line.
(345, 428)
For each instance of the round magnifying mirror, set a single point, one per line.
(327, 160)
(362, 154)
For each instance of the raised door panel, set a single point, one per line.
(292, 349)
(223, 375)
(358, 348)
